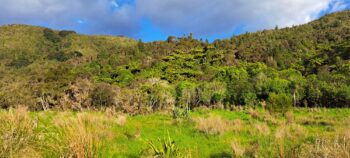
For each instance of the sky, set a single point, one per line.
(151, 20)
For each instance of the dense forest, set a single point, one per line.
(304, 66)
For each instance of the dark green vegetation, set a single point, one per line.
(305, 66)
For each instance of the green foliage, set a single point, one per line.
(164, 148)
(20, 61)
(309, 63)
(186, 95)
(51, 36)
(212, 92)
(61, 56)
(239, 89)
(65, 33)
(279, 103)
(159, 94)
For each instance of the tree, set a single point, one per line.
(279, 103)
(171, 39)
(186, 95)
(313, 91)
(212, 92)
(103, 96)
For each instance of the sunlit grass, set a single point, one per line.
(206, 133)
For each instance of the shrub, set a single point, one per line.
(279, 103)
(59, 56)
(213, 125)
(51, 36)
(164, 148)
(103, 96)
(212, 93)
(20, 61)
(65, 33)
(159, 94)
(186, 95)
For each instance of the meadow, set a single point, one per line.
(242, 132)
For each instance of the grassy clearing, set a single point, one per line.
(208, 133)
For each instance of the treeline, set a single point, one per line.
(305, 66)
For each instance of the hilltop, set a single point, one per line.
(306, 65)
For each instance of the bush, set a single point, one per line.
(20, 61)
(65, 33)
(61, 56)
(186, 95)
(51, 36)
(279, 103)
(159, 94)
(103, 96)
(212, 93)
(165, 148)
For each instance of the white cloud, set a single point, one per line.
(97, 14)
(205, 17)
(202, 17)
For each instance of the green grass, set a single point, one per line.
(57, 130)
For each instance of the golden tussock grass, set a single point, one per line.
(19, 134)
(237, 149)
(288, 133)
(80, 136)
(121, 120)
(254, 114)
(336, 146)
(238, 125)
(213, 125)
(262, 129)
(289, 117)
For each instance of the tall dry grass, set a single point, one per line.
(80, 136)
(237, 149)
(213, 125)
(336, 146)
(19, 134)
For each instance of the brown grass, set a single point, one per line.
(262, 129)
(121, 120)
(289, 117)
(80, 136)
(337, 146)
(238, 125)
(237, 149)
(213, 125)
(19, 135)
(254, 114)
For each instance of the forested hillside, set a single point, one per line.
(307, 66)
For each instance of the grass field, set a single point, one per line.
(206, 133)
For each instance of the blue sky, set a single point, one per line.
(152, 20)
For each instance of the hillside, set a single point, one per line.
(306, 65)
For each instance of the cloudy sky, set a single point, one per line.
(156, 19)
